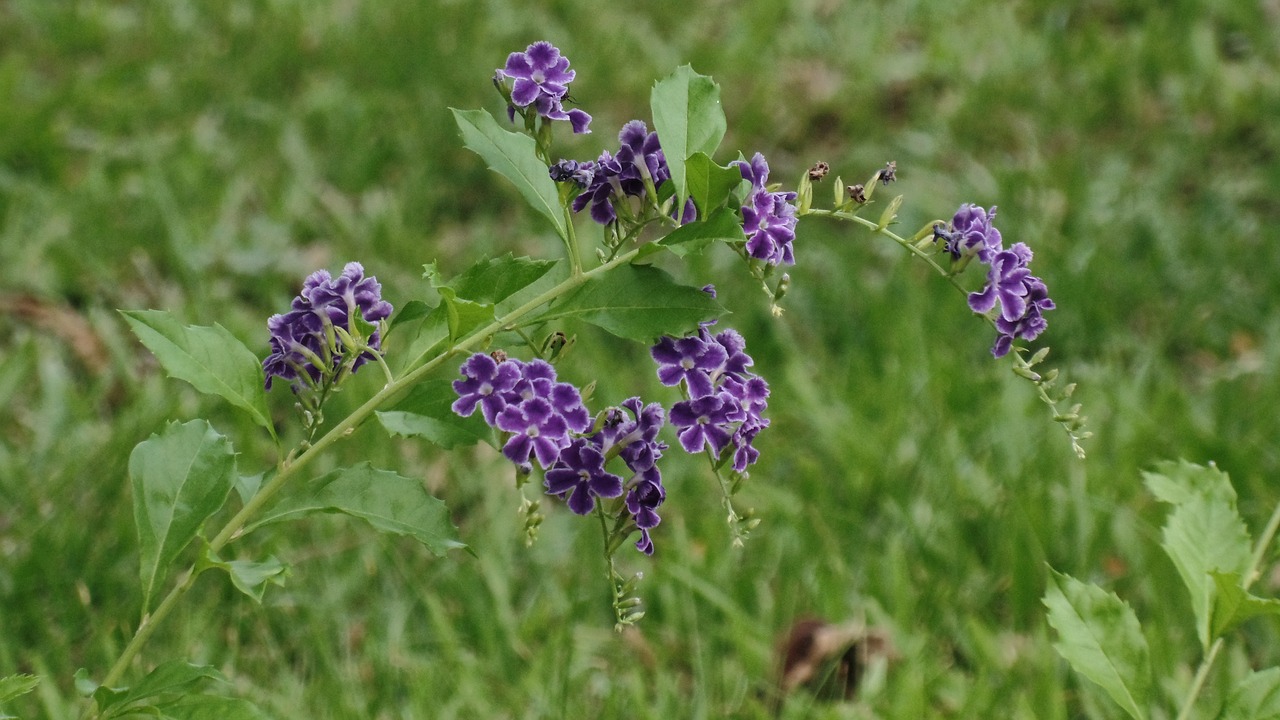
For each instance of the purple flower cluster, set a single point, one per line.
(546, 421)
(768, 218)
(540, 78)
(1022, 297)
(726, 400)
(615, 176)
(303, 340)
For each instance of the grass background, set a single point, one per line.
(203, 158)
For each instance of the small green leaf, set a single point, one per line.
(16, 686)
(1235, 604)
(249, 577)
(427, 412)
(174, 676)
(84, 684)
(1257, 697)
(1202, 535)
(688, 119)
(389, 502)
(638, 303)
(723, 226)
(410, 311)
(709, 183)
(211, 707)
(247, 486)
(210, 358)
(1101, 638)
(179, 478)
(1179, 482)
(514, 156)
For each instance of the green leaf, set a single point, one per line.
(211, 707)
(689, 119)
(427, 412)
(16, 686)
(174, 676)
(1235, 605)
(180, 478)
(637, 302)
(709, 183)
(1100, 637)
(210, 358)
(1257, 697)
(492, 281)
(692, 238)
(247, 486)
(249, 577)
(463, 316)
(1202, 535)
(410, 311)
(1179, 482)
(389, 502)
(513, 156)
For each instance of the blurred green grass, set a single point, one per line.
(202, 158)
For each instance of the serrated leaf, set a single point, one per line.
(250, 577)
(211, 707)
(513, 156)
(175, 676)
(492, 281)
(427, 413)
(689, 119)
(389, 502)
(638, 303)
(179, 478)
(211, 359)
(17, 685)
(1235, 605)
(1205, 534)
(1256, 697)
(1178, 482)
(1100, 637)
(709, 183)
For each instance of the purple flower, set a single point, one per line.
(622, 174)
(301, 339)
(1030, 324)
(1007, 283)
(579, 173)
(768, 218)
(691, 359)
(541, 78)
(537, 430)
(579, 473)
(971, 232)
(485, 382)
(706, 421)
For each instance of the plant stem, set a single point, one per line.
(288, 469)
(1251, 575)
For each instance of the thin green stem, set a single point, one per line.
(288, 469)
(1251, 575)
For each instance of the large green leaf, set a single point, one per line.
(1235, 605)
(210, 358)
(1257, 697)
(1178, 482)
(427, 412)
(180, 478)
(1202, 535)
(389, 502)
(514, 156)
(1101, 638)
(638, 303)
(174, 676)
(689, 119)
(211, 707)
